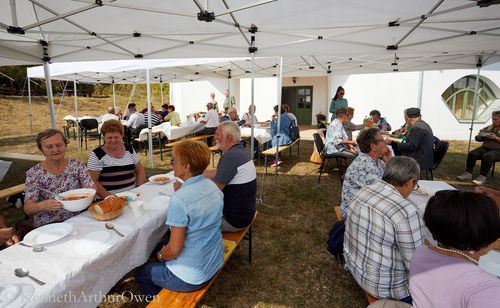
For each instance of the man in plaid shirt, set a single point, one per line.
(383, 230)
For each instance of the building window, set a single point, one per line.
(459, 97)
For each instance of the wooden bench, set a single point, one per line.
(14, 190)
(30, 157)
(196, 138)
(272, 151)
(167, 298)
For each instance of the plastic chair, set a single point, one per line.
(318, 143)
(86, 127)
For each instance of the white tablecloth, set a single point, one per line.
(172, 132)
(72, 118)
(75, 280)
(489, 262)
(261, 134)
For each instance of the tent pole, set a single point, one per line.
(50, 97)
(30, 107)
(420, 89)
(278, 98)
(252, 105)
(76, 114)
(114, 94)
(150, 130)
(329, 87)
(476, 90)
(161, 90)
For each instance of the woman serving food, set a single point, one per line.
(115, 167)
(54, 175)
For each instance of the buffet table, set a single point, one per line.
(80, 276)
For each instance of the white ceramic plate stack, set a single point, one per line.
(48, 234)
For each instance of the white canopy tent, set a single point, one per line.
(319, 36)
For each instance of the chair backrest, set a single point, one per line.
(137, 131)
(439, 152)
(318, 143)
(89, 124)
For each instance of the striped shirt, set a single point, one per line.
(382, 231)
(117, 174)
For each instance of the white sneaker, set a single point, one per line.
(480, 180)
(465, 177)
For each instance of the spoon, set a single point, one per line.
(35, 248)
(21, 272)
(51, 192)
(111, 227)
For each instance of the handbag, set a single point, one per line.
(294, 131)
(335, 243)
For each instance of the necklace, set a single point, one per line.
(458, 252)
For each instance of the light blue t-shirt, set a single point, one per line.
(198, 207)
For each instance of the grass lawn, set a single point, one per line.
(291, 266)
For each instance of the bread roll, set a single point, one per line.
(110, 204)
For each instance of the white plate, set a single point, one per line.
(131, 195)
(48, 233)
(93, 242)
(157, 203)
(15, 295)
(151, 179)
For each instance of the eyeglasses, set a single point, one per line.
(416, 186)
(341, 93)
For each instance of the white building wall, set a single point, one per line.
(190, 97)
(391, 93)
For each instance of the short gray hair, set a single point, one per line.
(229, 128)
(400, 170)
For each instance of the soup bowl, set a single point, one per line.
(76, 200)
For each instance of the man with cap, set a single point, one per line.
(419, 140)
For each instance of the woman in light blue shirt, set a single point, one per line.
(338, 101)
(194, 252)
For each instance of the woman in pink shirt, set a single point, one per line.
(465, 226)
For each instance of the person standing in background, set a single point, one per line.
(213, 101)
(338, 101)
(229, 101)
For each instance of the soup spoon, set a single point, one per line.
(22, 272)
(110, 226)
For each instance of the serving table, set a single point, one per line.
(77, 278)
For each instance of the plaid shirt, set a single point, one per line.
(382, 232)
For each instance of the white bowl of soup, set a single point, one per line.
(159, 179)
(76, 200)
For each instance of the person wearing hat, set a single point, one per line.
(488, 153)
(419, 140)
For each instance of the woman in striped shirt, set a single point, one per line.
(114, 166)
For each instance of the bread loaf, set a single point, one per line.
(110, 204)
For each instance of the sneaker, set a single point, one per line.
(465, 177)
(480, 180)
(275, 163)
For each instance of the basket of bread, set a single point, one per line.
(108, 209)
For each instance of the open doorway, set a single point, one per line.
(300, 101)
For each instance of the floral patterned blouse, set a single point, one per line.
(361, 172)
(74, 176)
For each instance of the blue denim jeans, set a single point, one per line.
(152, 277)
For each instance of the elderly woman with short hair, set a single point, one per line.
(54, 175)
(465, 226)
(194, 253)
(114, 166)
